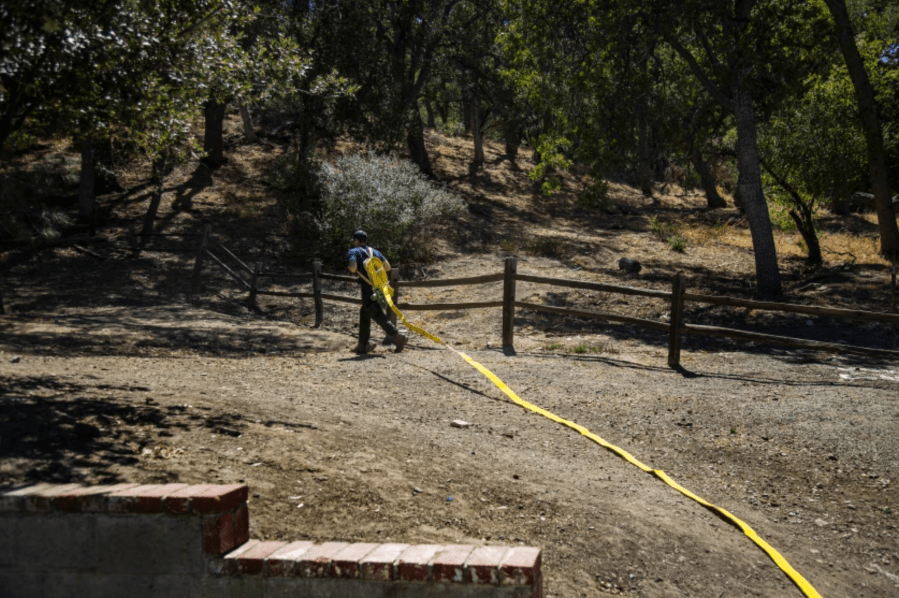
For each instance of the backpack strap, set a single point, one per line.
(359, 271)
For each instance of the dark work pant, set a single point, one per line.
(371, 310)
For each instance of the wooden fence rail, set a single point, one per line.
(677, 299)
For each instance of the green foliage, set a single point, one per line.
(25, 194)
(384, 195)
(677, 243)
(667, 232)
(596, 196)
(552, 158)
(298, 180)
(661, 229)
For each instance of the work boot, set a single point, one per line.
(388, 340)
(400, 341)
(361, 349)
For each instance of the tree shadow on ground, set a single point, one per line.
(696, 371)
(128, 330)
(61, 432)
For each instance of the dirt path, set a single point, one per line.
(108, 373)
(336, 446)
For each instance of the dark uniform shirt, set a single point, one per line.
(359, 255)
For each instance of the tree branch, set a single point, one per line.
(703, 77)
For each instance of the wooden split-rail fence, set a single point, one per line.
(677, 297)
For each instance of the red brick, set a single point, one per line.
(346, 562)
(218, 534)
(228, 564)
(41, 501)
(126, 500)
(521, 566)
(241, 524)
(413, 563)
(13, 500)
(251, 562)
(378, 564)
(178, 502)
(151, 502)
(282, 562)
(448, 565)
(482, 566)
(89, 499)
(317, 561)
(218, 499)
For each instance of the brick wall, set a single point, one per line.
(173, 540)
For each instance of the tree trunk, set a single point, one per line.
(415, 139)
(867, 104)
(87, 191)
(213, 142)
(466, 113)
(248, 131)
(157, 180)
(712, 196)
(444, 108)
(802, 214)
(512, 140)
(429, 109)
(806, 225)
(644, 167)
(308, 132)
(476, 129)
(750, 188)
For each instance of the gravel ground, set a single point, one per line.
(108, 373)
(334, 446)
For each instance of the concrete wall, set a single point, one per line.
(174, 540)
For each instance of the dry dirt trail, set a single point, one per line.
(107, 373)
(336, 446)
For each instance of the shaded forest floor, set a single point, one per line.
(109, 373)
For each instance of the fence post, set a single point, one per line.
(317, 292)
(676, 323)
(251, 300)
(509, 303)
(394, 276)
(198, 266)
(893, 302)
(132, 238)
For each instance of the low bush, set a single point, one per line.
(386, 196)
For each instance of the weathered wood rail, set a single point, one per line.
(677, 297)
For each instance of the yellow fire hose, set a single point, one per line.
(379, 280)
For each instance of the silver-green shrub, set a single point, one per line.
(388, 198)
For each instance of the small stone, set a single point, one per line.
(515, 476)
(229, 431)
(16, 359)
(458, 423)
(87, 430)
(821, 523)
(630, 266)
(416, 490)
